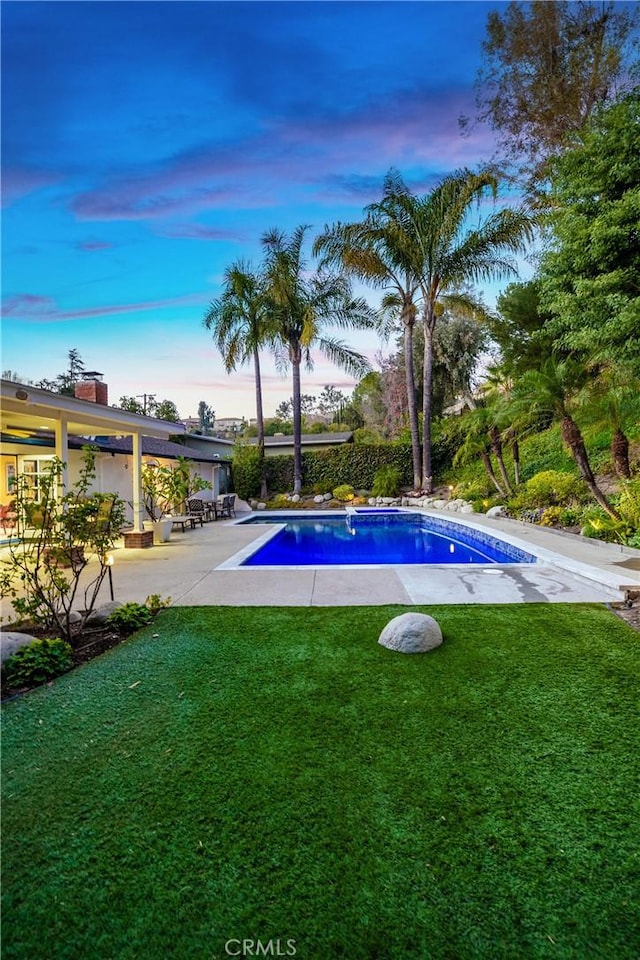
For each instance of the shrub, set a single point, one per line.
(551, 488)
(344, 493)
(154, 603)
(40, 661)
(386, 482)
(247, 469)
(130, 617)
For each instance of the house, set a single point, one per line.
(38, 425)
(282, 444)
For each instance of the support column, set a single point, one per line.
(137, 483)
(62, 451)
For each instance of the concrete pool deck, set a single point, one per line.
(570, 569)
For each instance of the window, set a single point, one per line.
(34, 470)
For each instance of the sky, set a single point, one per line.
(148, 146)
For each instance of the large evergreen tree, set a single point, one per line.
(590, 275)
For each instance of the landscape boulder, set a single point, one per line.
(11, 642)
(499, 511)
(411, 633)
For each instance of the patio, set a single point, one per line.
(570, 570)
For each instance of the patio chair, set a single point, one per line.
(228, 508)
(196, 511)
(8, 516)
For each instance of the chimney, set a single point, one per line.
(91, 388)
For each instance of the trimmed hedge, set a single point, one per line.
(355, 464)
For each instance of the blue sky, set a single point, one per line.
(147, 146)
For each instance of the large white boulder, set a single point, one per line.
(11, 642)
(499, 511)
(411, 633)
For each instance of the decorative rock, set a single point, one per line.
(100, 614)
(411, 633)
(499, 511)
(439, 504)
(253, 504)
(371, 501)
(261, 506)
(319, 498)
(11, 642)
(328, 496)
(295, 498)
(467, 508)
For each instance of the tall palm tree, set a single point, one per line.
(554, 390)
(300, 304)
(378, 251)
(449, 253)
(239, 322)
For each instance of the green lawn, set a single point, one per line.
(274, 773)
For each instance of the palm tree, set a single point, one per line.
(476, 445)
(553, 390)
(610, 399)
(239, 322)
(452, 254)
(299, 304)
(378, 252)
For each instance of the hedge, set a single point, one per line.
(355, 464)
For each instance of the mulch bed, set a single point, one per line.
(91, 643)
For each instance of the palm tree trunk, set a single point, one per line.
(620, 454)
(260, 421)
(296, 359)
(486, 462)
(408, 320)
(427, 396)
(573, 438)
(496, 448)
(515, 448)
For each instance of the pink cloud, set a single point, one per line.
(18, 182)
(410, 129)
(88, 246)
(35, 309)
(199, 231)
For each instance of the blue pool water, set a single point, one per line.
(374, 539)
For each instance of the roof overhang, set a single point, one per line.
(26, 408)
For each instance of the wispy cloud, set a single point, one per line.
(198, 231)
(34, 309)
(89, 246)
(18, 182)
(323, 153)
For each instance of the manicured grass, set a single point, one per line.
(274, 773)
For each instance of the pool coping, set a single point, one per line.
(581, 569)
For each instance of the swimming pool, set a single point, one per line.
(369, 538)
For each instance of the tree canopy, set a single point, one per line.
(547, 67)
(590, 275)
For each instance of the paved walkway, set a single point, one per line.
(570, 570)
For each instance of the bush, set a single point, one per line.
(130, 617)
(247, 469)
(386, 482)
(40, 661)
(552, 488)
(344, 493)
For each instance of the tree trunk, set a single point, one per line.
(260, 422)
(496, 448)
(296, 359)
(408, 321)
(573, 438)
(427, 396)
(515, 448)
(486, 462)
(620, 454)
